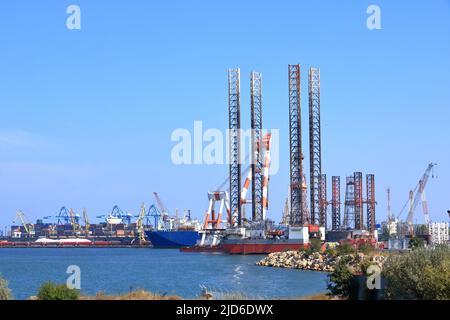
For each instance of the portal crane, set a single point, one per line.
(140, 224)
(74, 220)
(27, 225)
(87, 225)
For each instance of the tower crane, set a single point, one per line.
(27, 225)
(418, 194)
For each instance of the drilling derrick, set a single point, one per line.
(359, 214)
(234, 118)
(297, 214)
(256, 128)
(370, 189)
(336, 203)
(317, 216)
(349, 209)
(323, 204)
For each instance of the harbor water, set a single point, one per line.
(162, 271)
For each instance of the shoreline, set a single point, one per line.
(323, 262)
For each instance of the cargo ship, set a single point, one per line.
(91, 242)
(175, 233)
(172, 238)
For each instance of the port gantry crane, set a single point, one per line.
(154, 212)
(416, 195)
(27, 225)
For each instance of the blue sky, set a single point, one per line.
(86, 115)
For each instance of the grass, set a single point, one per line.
(133, 295)
(321, 296)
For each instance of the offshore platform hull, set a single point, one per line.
(260, 246)
(249, 246)
(196, 248)
(173, 239)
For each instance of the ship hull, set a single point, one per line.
(173, 239)
(260, 246)
(212, 249)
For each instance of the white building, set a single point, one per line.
(438, 232)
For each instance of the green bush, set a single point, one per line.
(331, 251)
(340, 280)
(419, 274)
(5, 292)
(315, 245)
(345, 248)
(416, 242)
(53, 291)
(366, 249)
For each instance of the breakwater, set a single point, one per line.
(319, 261)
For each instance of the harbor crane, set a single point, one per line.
(418, 195)
(161, 205)
(140, 224)
(27, 225)
(63, 216)
(74, 220)
(87, 225)
(156, 215)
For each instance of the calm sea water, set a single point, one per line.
(157, 270)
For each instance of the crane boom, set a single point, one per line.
(419, 194)
(140, 223)
(161, 205)
(87, 225)
(27, 225)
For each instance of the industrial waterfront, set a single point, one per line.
(309, 212)
(177, 254)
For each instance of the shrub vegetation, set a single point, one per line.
(419, 274)
(5, 292)
(53, 291)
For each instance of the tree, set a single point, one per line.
(5, 292)
(340, 280)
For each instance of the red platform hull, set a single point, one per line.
(261, 248)
(201, 249)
